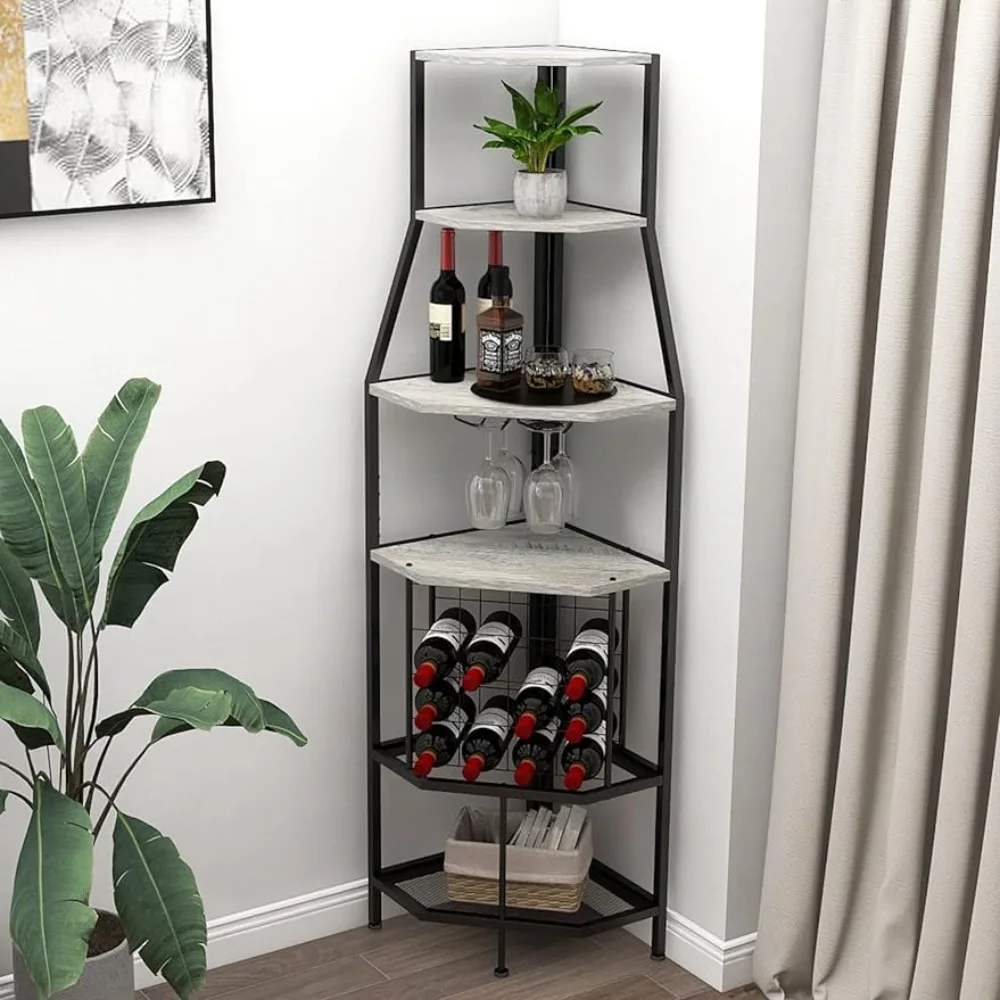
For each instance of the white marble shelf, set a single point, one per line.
(534, 55)
(421, 395)
(502, 216)
(569, 563)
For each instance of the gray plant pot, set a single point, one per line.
(110, 976)
(540, 196)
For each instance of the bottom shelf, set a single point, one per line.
(611, 900)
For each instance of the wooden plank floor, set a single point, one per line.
(410, 960)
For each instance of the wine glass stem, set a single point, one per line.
(489, 444)
(503, 439)
(547, 439)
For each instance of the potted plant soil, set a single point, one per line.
(539, 129)
(57, 509)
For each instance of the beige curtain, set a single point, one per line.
(883, 865)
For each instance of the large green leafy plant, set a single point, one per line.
(57, 508)
(539, 128)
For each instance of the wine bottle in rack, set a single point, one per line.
(487, 740)
(447, 317)
(441, 647)
(439, 744)
(586, 715)
(490, 649)
(436, 701)
(584, 760)
(485, 293)
(534, 756)
(538, 700)
(588, 659)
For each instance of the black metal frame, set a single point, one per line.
(394, 754)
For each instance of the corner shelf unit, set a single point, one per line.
(551, 577)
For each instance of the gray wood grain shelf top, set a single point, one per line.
(501, 216)
(422, 395)
(569, 563)
(534, 55)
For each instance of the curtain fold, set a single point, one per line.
(882, 879)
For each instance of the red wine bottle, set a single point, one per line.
(586, 715)
(436, 701)
(447, 317)
(490, 650)
(440, 743)
(538, 700)
(535, 756)
(583, 760)
(486, 742)
(439, 650)
(485, 293)
(587, 661)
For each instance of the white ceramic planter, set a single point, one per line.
(540, 196)
(110, 976)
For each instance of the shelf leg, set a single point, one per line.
(501, 971)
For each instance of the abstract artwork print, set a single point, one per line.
(104, 104)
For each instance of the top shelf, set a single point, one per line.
(535, 55)
(502, 217)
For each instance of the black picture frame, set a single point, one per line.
(210, 200)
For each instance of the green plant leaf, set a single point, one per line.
(575, 116)
(111, 450)
(498, 144)
(34, 724)
(585, 129)
(50, 919)
(546, 103)
(154, 540)
(50, 448)
(202, 697)
(18, 604)
(157, 899)
(15, 648)
(275, 721)
(3, 800)
(22, 521)
(524, 113)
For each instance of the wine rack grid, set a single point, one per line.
(420, 886)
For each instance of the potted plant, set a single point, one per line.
(538, 131)
(57, 508)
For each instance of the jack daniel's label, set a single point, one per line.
(501, 352)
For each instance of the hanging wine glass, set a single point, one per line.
(514, 468)
(571, 483)
(544, 495)
(488, 492)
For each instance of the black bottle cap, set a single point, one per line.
(499, 276)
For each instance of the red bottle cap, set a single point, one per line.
(525, 726)
(576, 729)
(473, 678)
(524, 773)
(576, 687)
(574, 776)
(424, 764)
(425, 717)
(425, 674)
(473, 767)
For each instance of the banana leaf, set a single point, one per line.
(150, 548)
(50, 919)
(18, 604)
(157, 899)
(34, 724)
(111, 450)
(15, 653)
(275, 721)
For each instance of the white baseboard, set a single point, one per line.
(724, 965)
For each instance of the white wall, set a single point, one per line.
(258, 315)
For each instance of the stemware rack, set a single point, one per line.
(552, 582)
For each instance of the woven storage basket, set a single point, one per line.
(536, 879)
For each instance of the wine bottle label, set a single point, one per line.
(550, 732)
(440, 320)
(594, 640)
(498, 634)
(600, 734)
(455, 724)
(543, 677)
(449, 629)
(601, 694)
(495, 720)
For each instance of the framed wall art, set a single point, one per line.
(104, 104)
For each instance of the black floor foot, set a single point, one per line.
(658, 958)
(501, 973)
(375, 927)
